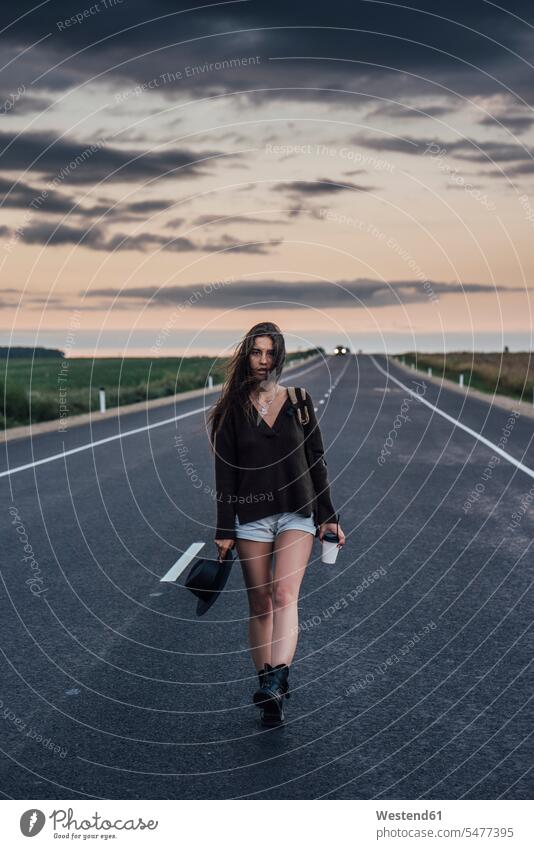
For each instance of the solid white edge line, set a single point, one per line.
(470, 431)
(88, 445)
(182, 562)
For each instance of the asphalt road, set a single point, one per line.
(416, 682)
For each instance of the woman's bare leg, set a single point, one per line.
(256, 560)
(292, 551)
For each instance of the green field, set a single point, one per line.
(503, 373)
(34, 390)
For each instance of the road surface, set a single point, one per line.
(413, 675)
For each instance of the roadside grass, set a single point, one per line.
(502, 373)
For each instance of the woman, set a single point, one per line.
(269, 501)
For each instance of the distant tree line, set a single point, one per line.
(30, 352)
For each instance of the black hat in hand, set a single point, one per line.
(207, 578)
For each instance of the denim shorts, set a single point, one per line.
(266, 529)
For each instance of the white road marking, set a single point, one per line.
(88, 445)
(470, 431)
(182, 562)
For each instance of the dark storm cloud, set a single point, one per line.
(24, 105)
(284, 294)
(491, 152)
(233, 245)
(19, 195)
(304, 209)
(75, 162)
(292, 212)
(45, 233)
(411, 110)
(394, 49)
(318, 187)
(145, 207)
(223, 220)
(471, 151)
(10, 297)
(394, 144)
(517, 170)
(50, 234)
(517, 124)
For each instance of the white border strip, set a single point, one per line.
(474, 433)
(182, 562)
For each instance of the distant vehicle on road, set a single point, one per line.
(341, 349)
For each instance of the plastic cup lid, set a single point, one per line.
(330, 536)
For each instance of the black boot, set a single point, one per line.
(263, 677)
(271, 696)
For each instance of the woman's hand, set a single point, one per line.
(334, 528)
(224, 545)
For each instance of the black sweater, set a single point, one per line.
(261, 470)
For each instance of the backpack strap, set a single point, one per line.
(303, 414)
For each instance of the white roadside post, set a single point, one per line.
(102, 397)
(430, 371)
(461, 380)
(210, 381)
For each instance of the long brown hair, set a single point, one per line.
(239, 379)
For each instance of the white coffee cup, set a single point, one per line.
(330, 547)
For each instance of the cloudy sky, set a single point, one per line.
(356, 171)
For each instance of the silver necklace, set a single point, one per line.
(264, 405)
